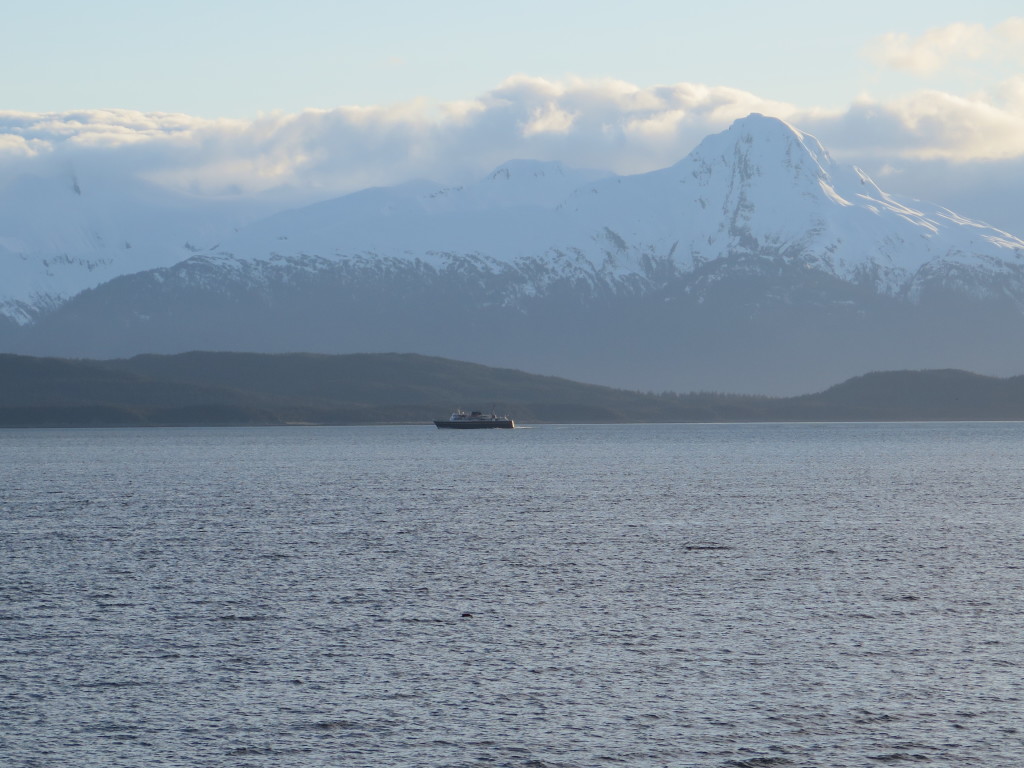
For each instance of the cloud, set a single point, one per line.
(585, 123)
(943, 47)
(550, 119)
(608, 124)
(20, 147)
(925, 125)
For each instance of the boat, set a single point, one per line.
(475, 420)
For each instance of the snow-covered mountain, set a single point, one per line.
(64, 233)
(761, 188)
(755, 253)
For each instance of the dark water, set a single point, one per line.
(733, 595)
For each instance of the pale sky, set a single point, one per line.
(228, 97)
(238, 58)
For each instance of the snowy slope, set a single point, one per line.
(761, 188)
(509, 214)
(62, 234)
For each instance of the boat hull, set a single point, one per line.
(482, 424)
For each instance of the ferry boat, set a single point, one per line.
(475, 420)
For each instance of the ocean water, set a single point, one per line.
(670, 595)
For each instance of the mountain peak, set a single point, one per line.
(542, 183)
(760, 122)
(757, 142)
(765, 163)
(764, 129)
(526, 169)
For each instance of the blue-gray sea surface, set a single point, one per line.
(672, 595)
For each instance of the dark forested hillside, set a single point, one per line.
(241, 388)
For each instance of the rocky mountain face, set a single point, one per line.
(756, 264)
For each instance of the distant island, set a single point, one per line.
(232, 388)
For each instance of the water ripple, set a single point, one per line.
(726, 596)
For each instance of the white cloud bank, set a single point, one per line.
(583, 123)
(943, 47)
